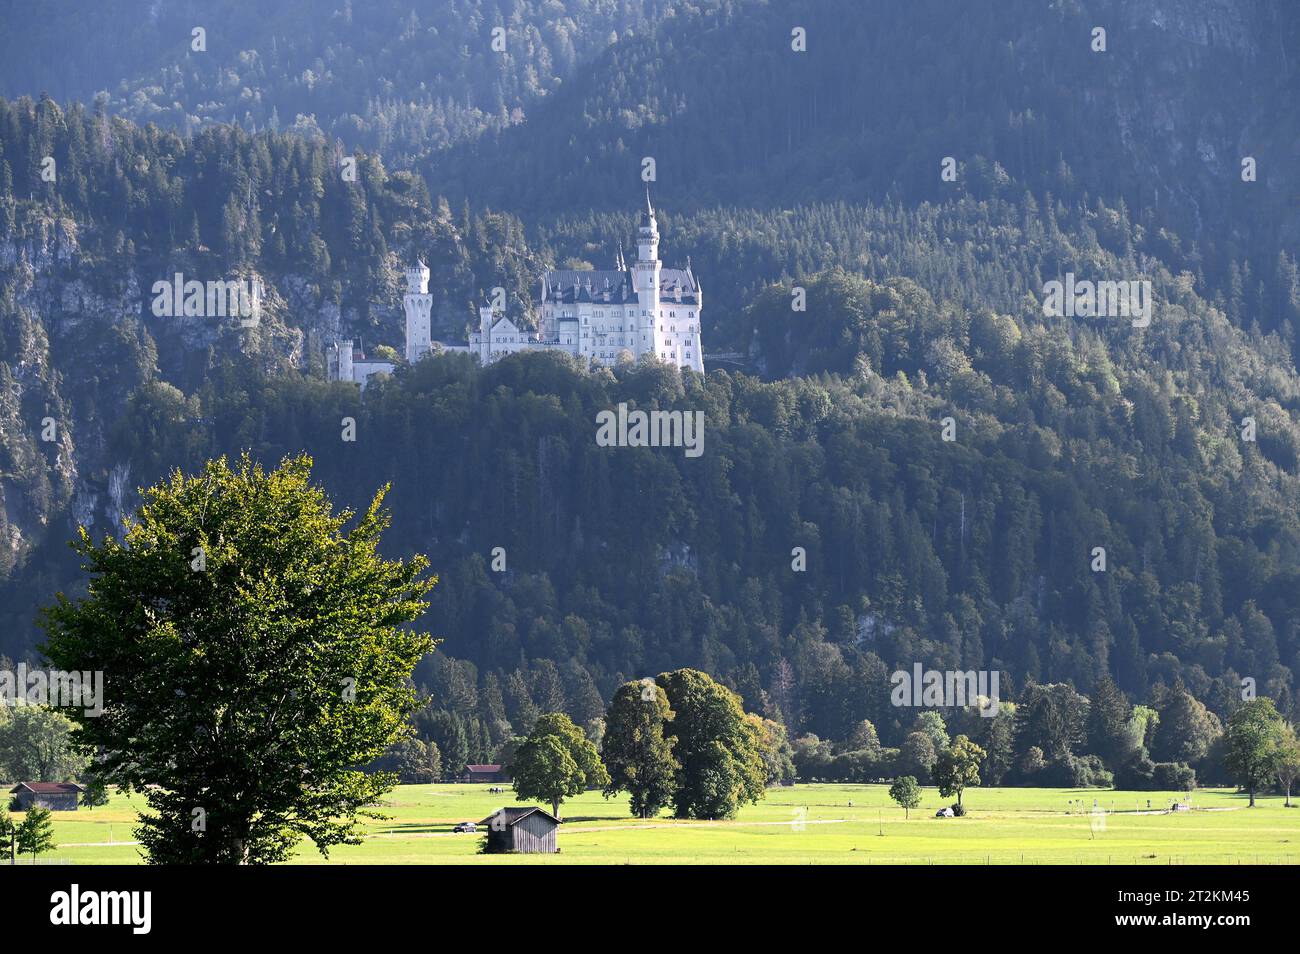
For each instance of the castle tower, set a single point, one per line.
(343, 360)
(418, 304)
(485, 320)
(645, 278)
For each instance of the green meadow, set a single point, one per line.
(803, 824)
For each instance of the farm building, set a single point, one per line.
(56, 796)
(525, 830)
(484, 773)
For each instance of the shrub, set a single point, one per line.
(1137, 773)
(1174, 776)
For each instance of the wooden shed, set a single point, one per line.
(484, 773)
(56, 796)
(523, 830)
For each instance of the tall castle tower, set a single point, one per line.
(486, 318)
(418, 304)
(645, 278)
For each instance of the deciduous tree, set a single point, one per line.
(254, 655)
(718, 749)
(1254, 732)
(907, 793)
(557, 761)
(637, 754)
(957, 767)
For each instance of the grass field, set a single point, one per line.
(803, 824)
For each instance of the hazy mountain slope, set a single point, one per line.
(381, 74)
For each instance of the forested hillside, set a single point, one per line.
(816, 175)
(1070, 434)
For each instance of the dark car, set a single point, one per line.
(465, 827)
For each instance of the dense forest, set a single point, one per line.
(923, 321)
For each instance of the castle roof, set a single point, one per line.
(614, 287)
(566, 286)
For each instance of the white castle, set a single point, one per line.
(600, 316)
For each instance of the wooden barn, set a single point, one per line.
(56, 796)
(523, 830)
(484, 773)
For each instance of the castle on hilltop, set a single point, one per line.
(600, 316)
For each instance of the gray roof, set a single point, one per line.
(566, 286)
(514, 815)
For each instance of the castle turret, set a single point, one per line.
(418, 304)
(343, 360)
(485, 320)
(647, 236)
(645, 279)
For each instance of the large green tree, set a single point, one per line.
(1254, 732)
(556, 761)
(957, 767)
(254, 655)
(637, 753)
(719, 750)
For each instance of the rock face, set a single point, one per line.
(79, 336)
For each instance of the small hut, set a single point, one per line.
(524, 830)
(56, 796)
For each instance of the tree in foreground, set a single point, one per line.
(35, 834)
(907, 793)
(556, 761)
(1254, 732)
(957, 767)
(718, 749)
(637, 754)
(254, 655)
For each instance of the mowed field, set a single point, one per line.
(803, 824)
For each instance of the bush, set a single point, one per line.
(1136, 774)
(1076, 771)
(1174, 777)
(957, 809)
(1090, 771)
